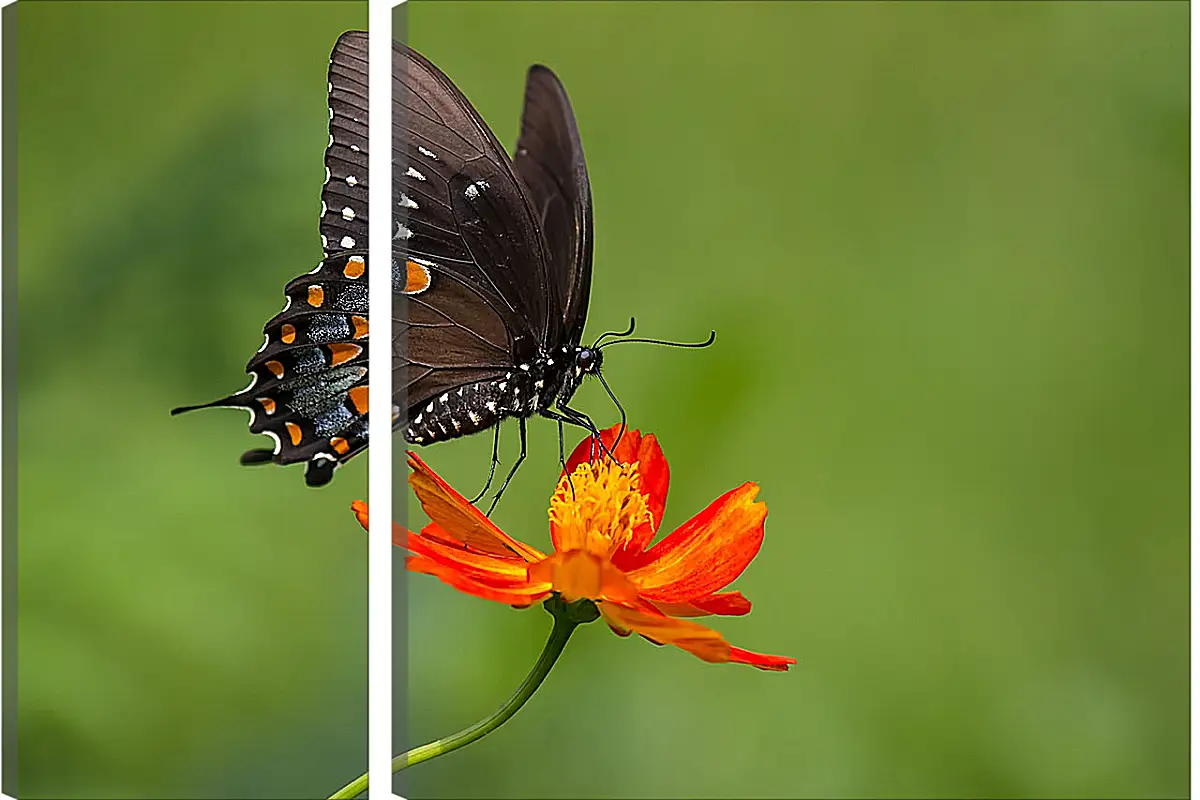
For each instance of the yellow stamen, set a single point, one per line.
(602, 511)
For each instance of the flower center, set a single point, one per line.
(598, 509)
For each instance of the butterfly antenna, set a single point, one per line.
(623, 333)
(712, 337)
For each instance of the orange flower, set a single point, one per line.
(601, 521)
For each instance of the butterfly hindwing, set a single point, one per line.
(308, 388)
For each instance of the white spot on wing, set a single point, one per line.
(347, 242)
(351, 180)
(347, 213)
(407, 202)
(472, 191)
(412, 173)
(402, 232)
(427, 153)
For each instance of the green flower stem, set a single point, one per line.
(566, 619)
(563, 628)
(352, 789)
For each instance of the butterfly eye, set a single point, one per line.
(587, 359)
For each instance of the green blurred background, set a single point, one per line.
(188, 627)
(945, 250)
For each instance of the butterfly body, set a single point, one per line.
(532, 388)
(491, 273)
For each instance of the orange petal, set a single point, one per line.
(437, 533)
(706, 553)
(654, 478)
(361, 513)
(586, 450)
(521, 598)
(498, 571)
(399, 533)
(770, 663)
(702, 642)
(726, 604)
(454, 514)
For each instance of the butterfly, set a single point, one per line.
(491, 276)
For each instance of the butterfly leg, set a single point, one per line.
(584, 421)
(577, 419)
(512, 471)
(495, 461)
(562, 459)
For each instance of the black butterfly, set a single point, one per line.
(491, 274)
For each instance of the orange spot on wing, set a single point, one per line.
(294, 432)
(316, 296)
(358, 396)
(344, 352)
(340, 445)
(268, 404)
(287, 333)
(276, 368)
(418, 278)
(360, 327)
(355, 267)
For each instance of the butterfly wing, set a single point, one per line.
(469, 270)
(549, 161)
(344, 198)
(308, 388)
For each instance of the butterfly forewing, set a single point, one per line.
(467, 215)
(549, 161)
(344, 196)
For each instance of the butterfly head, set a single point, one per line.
(577, 363)
(587, 361)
